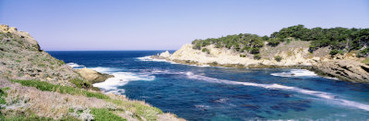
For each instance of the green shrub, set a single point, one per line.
(278, 58)
(257, 56)
(44, 86)
(205, 50)
(242, 55)
(274, 42)
(255, 50)
(333, 52)
(81, 83)
(105, 115)
(3, 95)
(364, 52)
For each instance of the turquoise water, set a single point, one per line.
(213, 93)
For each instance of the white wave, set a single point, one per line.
(296, 73)
(324, 95)
(148, 58)
(121, 79)
(75, 65)
(105, 69)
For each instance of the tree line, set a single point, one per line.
(338, 39)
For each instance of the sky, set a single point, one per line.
(168, 24)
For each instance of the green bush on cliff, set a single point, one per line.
(335, 38)
(257, 56)
(205, 50)
(3, 95)
(278, 58)
(44, 86)
(81, 83)
(341, 39)
(239, 42)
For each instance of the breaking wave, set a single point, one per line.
(105, 69)
(148, 58)
(75, 65)
(296, 73)
(120, 79)
(319, 94)
(323, 95)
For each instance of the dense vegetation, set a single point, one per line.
(339, 40)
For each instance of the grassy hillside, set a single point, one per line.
(37, 86)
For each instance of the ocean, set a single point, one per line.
(205, 93)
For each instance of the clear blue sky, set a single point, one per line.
(168, 24)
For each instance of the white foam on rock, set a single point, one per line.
(75, 65)
(120, 79)
(296, 73)
(105, 69)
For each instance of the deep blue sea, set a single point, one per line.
(224, 94)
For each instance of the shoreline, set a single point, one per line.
(313, 68)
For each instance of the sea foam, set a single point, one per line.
(120, 79)
(75, 65)
(296, 73)
(106, 70)
(148, 58)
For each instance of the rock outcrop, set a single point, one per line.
(348, 70)
(294, 54)
(35, 85)
(92, 75)
(22, 58)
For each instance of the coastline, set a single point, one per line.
(34, 85)
(343, 67)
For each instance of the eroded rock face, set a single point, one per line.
(92, 75)
(294, 54)
(165, 54)
(22, 58)
(348, 70)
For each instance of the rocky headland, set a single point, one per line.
(287, 53)
(37, 86)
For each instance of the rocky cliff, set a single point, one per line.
(22, 58)
(292, 54)
(36, 86)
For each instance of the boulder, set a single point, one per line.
(348, 70)
(165, 54)
(92, 75)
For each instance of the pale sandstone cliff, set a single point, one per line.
(294, 54)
